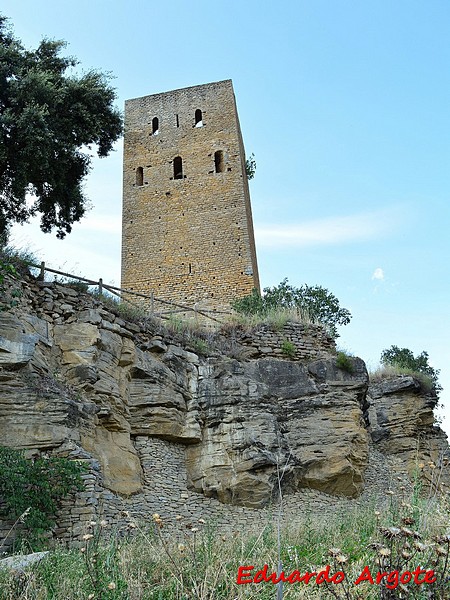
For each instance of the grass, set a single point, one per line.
(384, 372)
(20, 258)
(276, 318)
(181, 561)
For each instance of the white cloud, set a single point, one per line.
(334, 230)
(378, 274)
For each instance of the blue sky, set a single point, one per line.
(346, 108)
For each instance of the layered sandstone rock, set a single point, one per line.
(267, 416)
(403, 427)
(164, 424)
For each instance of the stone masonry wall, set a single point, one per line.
(187, 239)
(294, 341)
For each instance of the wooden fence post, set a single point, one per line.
(42, 273)
(100, 287)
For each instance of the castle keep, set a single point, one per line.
(187, 224)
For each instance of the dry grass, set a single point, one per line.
(170, 560)
(384, 372)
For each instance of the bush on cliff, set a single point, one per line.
(404, 360)
(316, 301)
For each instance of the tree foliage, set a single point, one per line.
(403, 358)
(250, 166)
(319, 303)
(50, 116)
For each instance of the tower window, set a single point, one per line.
(177, 168)
(139, 176)
(218, 161)
(155, 126)
(198, 118)
(177, 120)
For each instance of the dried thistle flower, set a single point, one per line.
(87, 536)
(157, 519)
(341, 559)
(24, 515)
(334, 551)
(390, 532)
(111, 585)
(384, 551)
(419, 546)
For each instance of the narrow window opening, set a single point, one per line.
(155, 126)
(198, 118)
(139, 176)
(177, 168)
(190, 268)
(177, 120)
(218, 161)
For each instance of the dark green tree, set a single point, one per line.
(403, 358)
(319, 303)
(50, 117)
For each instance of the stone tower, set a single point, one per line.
(187, 224)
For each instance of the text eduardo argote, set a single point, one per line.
(390, 579)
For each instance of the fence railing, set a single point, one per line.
(119, 292)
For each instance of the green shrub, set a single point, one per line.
(35, 487)
(319, 304)
(405, 362)
(288, 349)
(8, 296)
(200, 346)
(344, 361)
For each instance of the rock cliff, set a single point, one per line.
(210, 432)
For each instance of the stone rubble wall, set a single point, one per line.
(305, 341)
